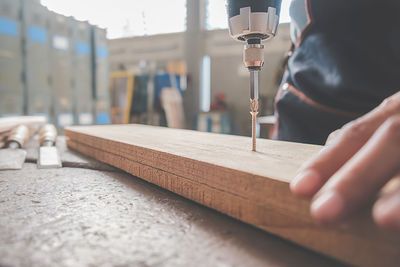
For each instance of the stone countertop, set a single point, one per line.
(79, 216)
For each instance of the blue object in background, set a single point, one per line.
(214, 122)
(82, 48)
(103, 118)
(37, 34)
(226, 124)
(162, 81)
(209, 124)
(102, 52)
(165, 80)
(8, 27)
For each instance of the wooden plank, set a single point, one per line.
(220, 172)
(8, 123)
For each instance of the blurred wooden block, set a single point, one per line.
(8, 123)
(172, 103)
(220, 172)
(176, 67)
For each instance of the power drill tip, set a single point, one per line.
(254, 113)
(253, 105)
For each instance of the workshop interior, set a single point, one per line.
(144, 133)
(110, 69)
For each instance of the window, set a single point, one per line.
(205, 84)
(125, 18)
(216, 17)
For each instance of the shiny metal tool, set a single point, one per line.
(12, 157)
(253, 105)
(253, 22)
(48, 153)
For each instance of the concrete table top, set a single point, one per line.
(69, 158)
(86, 217)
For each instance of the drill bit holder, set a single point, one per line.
(253, 56)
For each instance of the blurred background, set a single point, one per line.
(168, 63)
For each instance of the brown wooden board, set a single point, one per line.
(220, 171)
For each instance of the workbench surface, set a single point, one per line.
(81, 217)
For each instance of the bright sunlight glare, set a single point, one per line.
(125, 18)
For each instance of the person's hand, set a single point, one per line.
(357, 161)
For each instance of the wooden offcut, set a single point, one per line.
(221, 172)
(9, 123)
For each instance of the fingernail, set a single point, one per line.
(386, 212)
(327, 207)
(306, 183)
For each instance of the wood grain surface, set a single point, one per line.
(220, 172)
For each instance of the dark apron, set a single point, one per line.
(346, 62)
